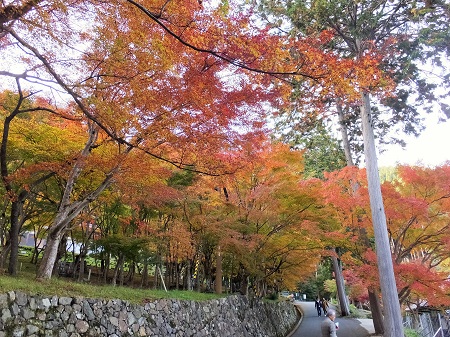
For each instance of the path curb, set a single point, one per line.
(299, 321)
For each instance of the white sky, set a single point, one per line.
(431, 148)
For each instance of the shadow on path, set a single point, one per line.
(348, 327)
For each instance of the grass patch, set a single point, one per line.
(66, 287)
(354, 311)
(411, 333)
(359, 313)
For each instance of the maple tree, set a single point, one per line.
(271, 214)
(416, 210)
(419, 230)
(29, 160)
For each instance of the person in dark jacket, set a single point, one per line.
(328, 327)
(318, 307)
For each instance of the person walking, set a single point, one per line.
(318, 305)
(324, 306)
(328, 327)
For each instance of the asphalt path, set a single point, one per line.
(348, 327)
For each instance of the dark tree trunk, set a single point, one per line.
(218, 283)
(377, 315)
(343, 301)
(16, 224)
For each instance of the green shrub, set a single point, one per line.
(25, 251)
(272, 296)
(411, 333)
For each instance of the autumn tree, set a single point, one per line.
(362, 33)
(269, 214)
(416, 206)
(30, 161)
(418, 228)
(125, 61)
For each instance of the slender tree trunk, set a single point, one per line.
(165, 279)
(344, 133)
(155, 277)
(343, 301)
(122, 274)
(117, 270)
(188, 275)
(199, 277)
(17, 199)
(131, 273)
(177, 276)
(105, 265)
(62, 251)
(3, 231)
(144, 278)
(393, 326)
(340, 285)
(218, 283)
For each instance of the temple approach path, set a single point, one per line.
(309, 325)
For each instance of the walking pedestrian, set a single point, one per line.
(318, 306)
(324, 306)
(328, 326)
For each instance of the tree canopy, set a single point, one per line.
(139, 129)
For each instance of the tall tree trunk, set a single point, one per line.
(105, 265)
(344, 133)
(337, 268)
(15, 204)
(177, 275)
(343, 301)
(377, 315)
(393, 326)
(156, 277)
(188, 275)
(218, 283)
(373, 298)
(144, 278)
(117, 269)
(122, 274)
(3, 232)
(17, 198)
(16, 211)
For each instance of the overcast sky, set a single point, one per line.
(430, 149)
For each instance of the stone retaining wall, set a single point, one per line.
(25, 315)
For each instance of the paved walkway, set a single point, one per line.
(348, 327)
